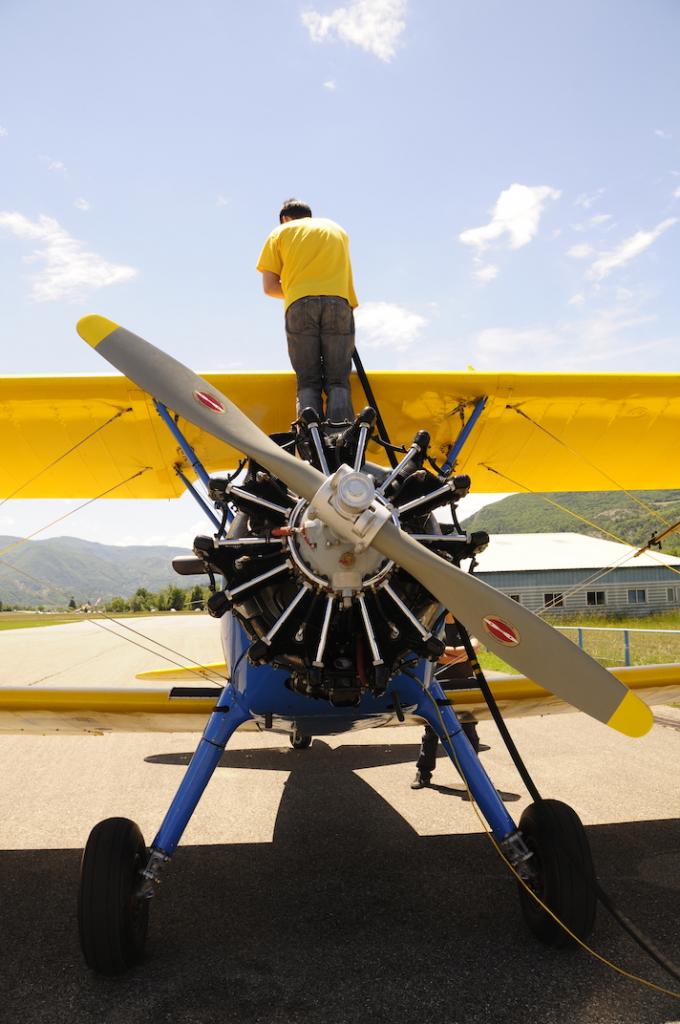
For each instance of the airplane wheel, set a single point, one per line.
(112, 921)
(565, 875)
(300, 742)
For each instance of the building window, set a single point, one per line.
(595, 597)
(553, 600)
(671, 594)
(515, 597)
(637, 597)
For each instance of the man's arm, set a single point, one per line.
(271, 284)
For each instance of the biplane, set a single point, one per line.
(331, 575)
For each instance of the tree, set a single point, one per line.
(141, 601)
(72, 604)
(176, 598)
(196, 600)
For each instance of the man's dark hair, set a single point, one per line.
(294, 208)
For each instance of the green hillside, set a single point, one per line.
(613, 511)
(50, 572)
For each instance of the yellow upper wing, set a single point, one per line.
(621, 425)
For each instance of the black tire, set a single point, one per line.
(565, 875)
(300, 742)
(112, 921)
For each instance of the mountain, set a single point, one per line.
(622, 516)
(50, 572)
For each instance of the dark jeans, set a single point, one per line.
(427, 758)
(320, 332)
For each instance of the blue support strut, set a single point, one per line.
(197, 497)
(193, 458)
(182, 442)
(443, 720)
(457, 445)
(223, 722)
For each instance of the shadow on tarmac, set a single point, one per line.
(347, 916)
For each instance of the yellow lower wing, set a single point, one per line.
(35, 711)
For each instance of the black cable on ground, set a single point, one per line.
(370, 398)
(628, 926)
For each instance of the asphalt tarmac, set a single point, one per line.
(316, 886)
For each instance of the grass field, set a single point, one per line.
(606, 644)
(32, 620)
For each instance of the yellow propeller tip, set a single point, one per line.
(632, 717)
(93, 329)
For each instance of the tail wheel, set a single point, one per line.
(300, 742)
(564, 873)
(112, 919)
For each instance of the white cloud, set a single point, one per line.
(628, 250)
(330, 85)
(586, 200)
(496, 344)
(601, 338)
(53, 165)
(486, 272)
(580, 252)
(516, 214)
(662, 134)
(82, 204)
(374, 25)
(222, 201)
(381, 324)
(599, 220)
(3, 132)
(676, 194)
(69, 269)
(615, 337)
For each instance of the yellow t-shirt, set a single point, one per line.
(311, 256)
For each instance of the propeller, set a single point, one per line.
(512, 632)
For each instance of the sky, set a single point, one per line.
(508, 173)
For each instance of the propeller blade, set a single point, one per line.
(519, 637)
(195, 400)
(513, 633)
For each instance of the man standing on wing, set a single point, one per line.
(305, 261)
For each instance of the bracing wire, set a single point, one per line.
(22, 540)
(589, 581)
(584, 945)
(73, 448)
(198, 671)
(569, 511)
(558, 440)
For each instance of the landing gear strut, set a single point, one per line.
(112, 917)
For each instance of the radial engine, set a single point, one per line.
(342, 619)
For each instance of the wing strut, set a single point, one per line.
(196, 464)
(466, 430)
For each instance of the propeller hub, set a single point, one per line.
(355, 492)
(329, 560)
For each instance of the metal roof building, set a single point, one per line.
(571, 572)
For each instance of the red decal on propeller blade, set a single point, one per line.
(209, 401)
(501, 631)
